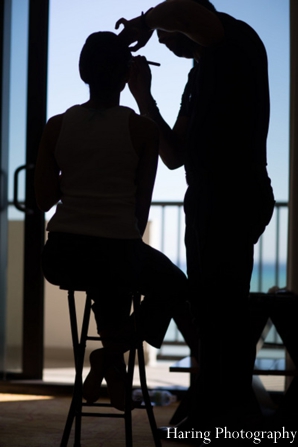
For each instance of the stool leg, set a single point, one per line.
(75, 409)
(75, 342)
(142, 373)
(128, 398)
(79, 371)
(146, 397)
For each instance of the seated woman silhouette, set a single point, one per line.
(97, 162)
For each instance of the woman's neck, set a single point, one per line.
(102, 103)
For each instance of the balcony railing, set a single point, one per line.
(167, 235)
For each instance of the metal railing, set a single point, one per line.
(279, 251)
(169, 239)
(167, 235)
(167, 220)
(275, 235)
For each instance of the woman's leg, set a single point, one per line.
(89, 263)
(164, 286)
(93, 264)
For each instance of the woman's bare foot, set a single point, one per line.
(111, 366)
(91, 386)
(116, 378)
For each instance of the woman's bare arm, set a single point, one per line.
(145, 137)
(171, 141)
(47, 188)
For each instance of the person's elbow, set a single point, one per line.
(45, 203)
(46, 199)
(47, 190)
(175, 165)
(172, 163)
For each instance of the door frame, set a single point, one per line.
(33, 310)
(33, 288)
(5, 27)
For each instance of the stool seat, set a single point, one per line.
(76, 410)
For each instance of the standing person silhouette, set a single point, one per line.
(98, 160)
(220, 137)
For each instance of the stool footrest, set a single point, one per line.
(76, 410)
(95, 404)
(104, 415)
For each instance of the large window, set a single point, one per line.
(71, 22)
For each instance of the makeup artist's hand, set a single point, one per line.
(134, 30)
(140, 79)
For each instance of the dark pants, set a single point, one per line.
(112, 269)
(219, 265)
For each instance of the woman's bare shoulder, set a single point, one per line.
(55, 121)
(52, 131)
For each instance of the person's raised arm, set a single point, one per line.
(171, 141)
(46, 182)
(183, 16)
(144, 134)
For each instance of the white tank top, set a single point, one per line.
(98, 168)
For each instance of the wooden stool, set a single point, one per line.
(79, 344)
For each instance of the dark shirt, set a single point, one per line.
(227, 102)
